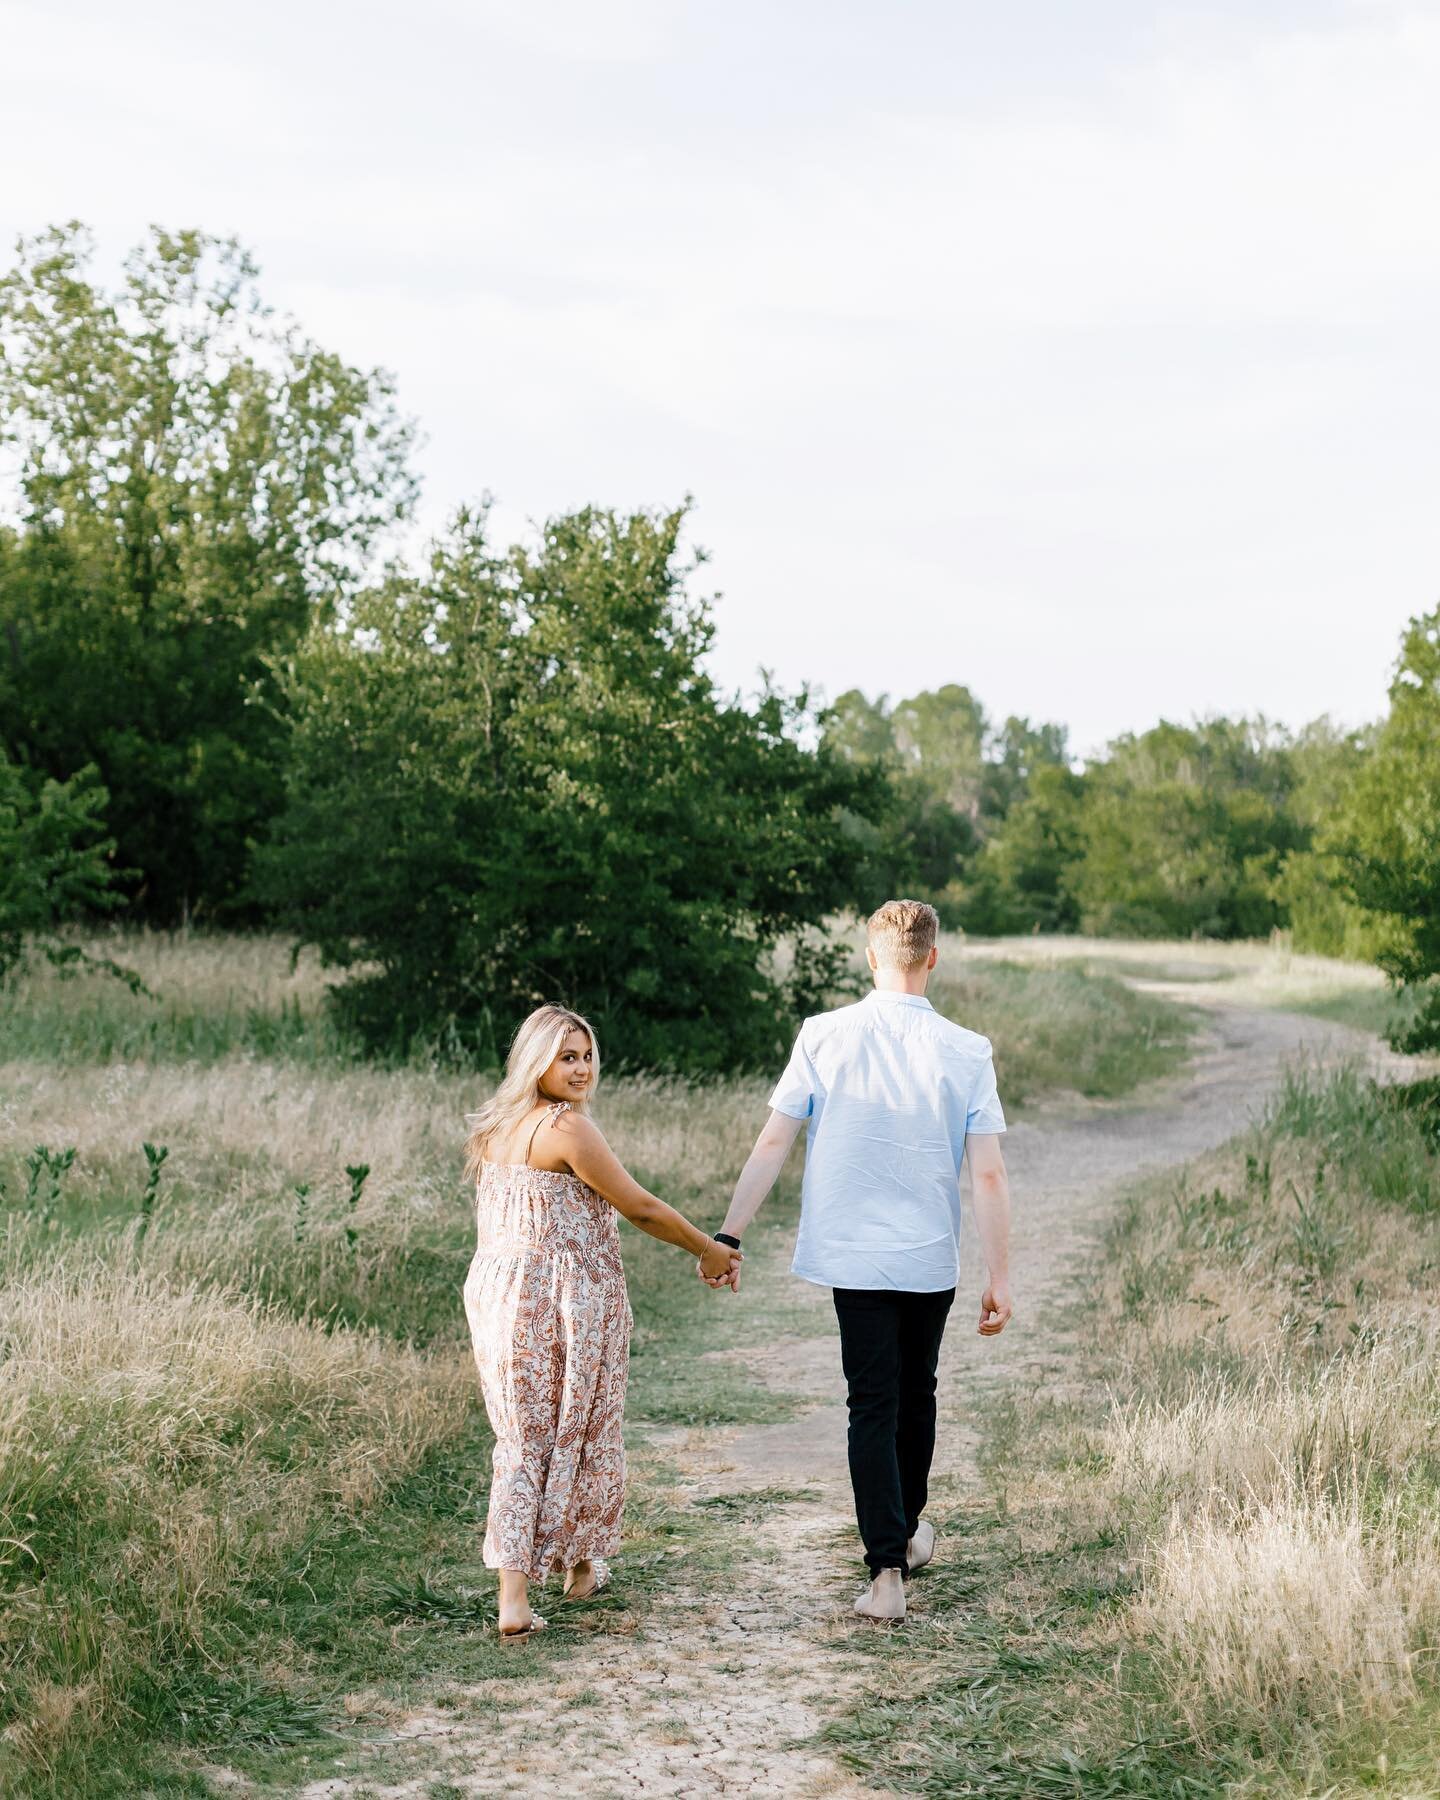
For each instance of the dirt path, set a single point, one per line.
(718, 1699)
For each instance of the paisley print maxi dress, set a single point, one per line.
(550, 1322)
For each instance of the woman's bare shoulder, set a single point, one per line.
(576, 1127)
(563, 1136)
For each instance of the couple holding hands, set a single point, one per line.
(893, 1097)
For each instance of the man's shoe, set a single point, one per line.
(884, 1599)
(921, 1547)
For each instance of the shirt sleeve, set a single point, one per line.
(984, 1113)
(795, 1092)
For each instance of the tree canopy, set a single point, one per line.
(1184, 830)
(512, 781)
(54, 862)
(952, 778)
(1386, 835)
(196, 480)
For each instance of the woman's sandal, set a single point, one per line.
(527, 1631)
(600, 1580)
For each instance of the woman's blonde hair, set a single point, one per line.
(532, 1050)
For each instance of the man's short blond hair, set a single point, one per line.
(902, 933)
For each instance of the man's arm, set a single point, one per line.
(990, 1198)
(759, 1175)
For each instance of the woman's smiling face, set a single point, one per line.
(568, 1077)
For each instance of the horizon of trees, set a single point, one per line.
(1218, 828)
(504, 774)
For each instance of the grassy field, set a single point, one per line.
(1210, 1564)
(1259, 974)
(244, 1462)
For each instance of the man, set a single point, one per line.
(893, 1097)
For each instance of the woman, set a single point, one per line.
(549, 1316)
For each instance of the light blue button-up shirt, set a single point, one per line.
(890, 1090)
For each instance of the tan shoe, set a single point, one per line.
(884, 1599)
(921, 1547)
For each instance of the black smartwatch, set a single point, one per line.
(724, 1237)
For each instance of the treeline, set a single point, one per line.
(1225, 828)
(505, 775)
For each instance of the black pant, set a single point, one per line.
(890, 1347)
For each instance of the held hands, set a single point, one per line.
(995, 1309)
(719, 1266)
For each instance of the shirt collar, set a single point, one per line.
(885, 997)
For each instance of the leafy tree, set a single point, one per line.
(951, 780)
(196, 479)
(1014, 754)
(860, 730)
(54, 862)
(512, 781)
(1183, 832)
(1023, 880)
(1387, 834)
(940, 739)
(1311, 887)
(920, 843)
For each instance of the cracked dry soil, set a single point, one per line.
(725, 1698)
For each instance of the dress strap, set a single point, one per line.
(550, 1114)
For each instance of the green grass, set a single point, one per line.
(208, 997)
(1262, 973)
(1378, 1010)
(313, 1624)
(1010, 1702)
(387, 1598)
(215, 998)
(1064, 1030)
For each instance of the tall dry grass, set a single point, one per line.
(1275, 1443)
(1288, 1617)
(244, 1135)
(187, 1399)
(208, 996)
(1370, 1413)
(190, 1390)
(162, 1445)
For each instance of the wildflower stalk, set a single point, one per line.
(155, 1161)
(358, 1173)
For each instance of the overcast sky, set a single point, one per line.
(1087, 355)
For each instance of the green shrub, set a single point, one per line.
(54, 862)
(512, 782)
(1387, 836)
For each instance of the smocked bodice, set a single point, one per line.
(523, 1208)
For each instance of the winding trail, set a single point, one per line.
(719, 1699)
